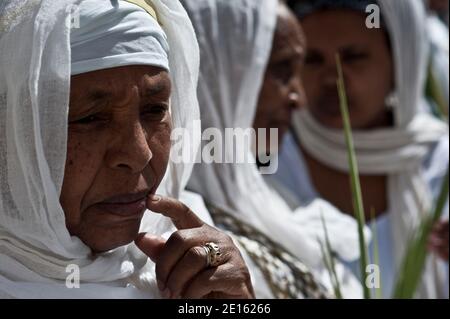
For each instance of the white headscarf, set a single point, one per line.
(112, 34)
(235, 39)
(397, 152)
(35, 70)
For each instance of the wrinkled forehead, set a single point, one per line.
(114, 85)
(289, 39)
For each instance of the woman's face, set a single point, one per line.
(117, 152)
(367, 66)
(282, 90)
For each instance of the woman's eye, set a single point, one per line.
(155, 111)
(87, 120)
(354, 57)
(313, 59)
(283, 72)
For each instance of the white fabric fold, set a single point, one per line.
(399, 151)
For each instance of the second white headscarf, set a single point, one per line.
(235, 39)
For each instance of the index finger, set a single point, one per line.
(181, 215)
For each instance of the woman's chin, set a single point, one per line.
(330, 121)
(103, 240)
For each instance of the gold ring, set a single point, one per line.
(213, 254)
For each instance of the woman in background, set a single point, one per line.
(402, 151)
(236, 43)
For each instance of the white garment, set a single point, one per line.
(439, 53)
(196, 204)
(438, 32)
(35, 245)
(397, 152)
(293, 174)
(235, 39)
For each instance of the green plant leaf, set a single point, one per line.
(328, 256)
(376, 253)
(354, 177)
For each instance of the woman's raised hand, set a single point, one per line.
(188, 264)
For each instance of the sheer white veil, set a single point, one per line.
(235, 39)
(35, 246)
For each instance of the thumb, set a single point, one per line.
(150, 245)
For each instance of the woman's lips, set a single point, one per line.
(124, 207)
(132, 209)
(330, 104)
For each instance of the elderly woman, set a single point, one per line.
(402, 151)
(89, 94)
(236, 39)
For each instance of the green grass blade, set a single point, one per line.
(331, 263)
(328, 266)
(354, 177)
(376, 253)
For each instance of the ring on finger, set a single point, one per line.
(213, 254)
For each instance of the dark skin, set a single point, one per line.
(118, 142)
(367, 66)
(117, 154)
(364, 53)
(282, 90)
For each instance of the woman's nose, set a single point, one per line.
(329, 77)
(131, 150)
(294, 100)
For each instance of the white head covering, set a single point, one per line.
(235, 39)
(116, 33)
(397, 152)
(35, 70)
